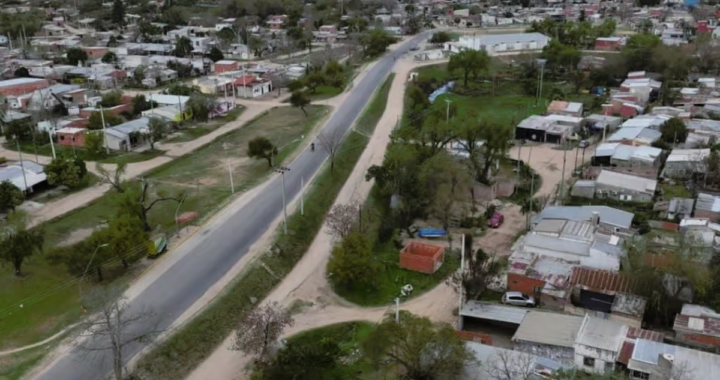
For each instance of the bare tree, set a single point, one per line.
(509, 365)
(115, 326)
(330, 143)
(342, 219)
(260, 329)
(113, 179)
(481, 271)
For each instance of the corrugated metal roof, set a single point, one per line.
(688, 155)
(549, 328)
(690, 364)
(493, 312)
(626, 181)
(631, 338)
(701, 325)
(608, 215)
(557, 245)
(509, 38)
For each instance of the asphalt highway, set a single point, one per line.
(214, 251)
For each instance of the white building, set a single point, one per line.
(598, 344)
(501, 43)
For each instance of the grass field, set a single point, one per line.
(195, 130)
(203, 174)
(373, 112)
(15, 366)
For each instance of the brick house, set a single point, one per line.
(69, 136)
(95, 52)
(608, 43)
(542, 277)
(225, 66)
(698, 326)
(20, 86)
(422, 257)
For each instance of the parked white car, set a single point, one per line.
(517, 299)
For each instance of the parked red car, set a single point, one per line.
(496, 221)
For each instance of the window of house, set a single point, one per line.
(640, 375)
(589, 362)
(62, 137)
(609, 367)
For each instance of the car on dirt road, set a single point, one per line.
(517, 299)
(496, 221)
(583, 144)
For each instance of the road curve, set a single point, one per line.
(214, 251)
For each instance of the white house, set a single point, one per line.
(126, 135)
(598, 344)
(501, 43)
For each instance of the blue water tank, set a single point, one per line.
(691, 3)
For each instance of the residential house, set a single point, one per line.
(127, 135)
(544, 129)
(655, 360)
(491, 362)
(698, 326)
(626, 156)
(560, 107)
(94, 52)
(171, 113)
(169, 100)
(549, 335)
(598, 344)
(23, 174)
(683, 163)
(275, 22)
(20, 86)
(607, 219)
(295, 72)
(543, 277)
(609, 43)
(501, 43)
(70, 136)
(624, 187)
(252, 86)
(635, 136)
(606, 293)
(708, 206)
(201, 45)
(225, 66)
(604, 123)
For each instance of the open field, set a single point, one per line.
(202, 175)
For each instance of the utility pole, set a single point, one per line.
(397, 309)
(22, 165)
(281, 170)
(177, 210)
(52, 145)
(540, 62)
(88, 267)
(447, 112)
(102, 117)
(232, 184)
(562, 176)
(462, 271)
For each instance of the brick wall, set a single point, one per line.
(520, 283)
(417, 263)
(23, 88)
(699, 340)
(475, 337)
(67, 139)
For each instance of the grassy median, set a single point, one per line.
(186, 348)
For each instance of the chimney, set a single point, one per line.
(665, 364)
(595, 219)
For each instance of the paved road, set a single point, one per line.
(215, 251)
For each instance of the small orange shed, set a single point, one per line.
(422, 257)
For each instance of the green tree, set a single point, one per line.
(63, 171)
(109, 57)
(201, 105)
(112, 99)
(226, 36)
(674, 131)
(139, 74)
(447, 184)
(482, 270)
(306, 361)
(139, 203)
(21, 130)
(139, 104)
(375, 42)
(314, 80)
(75, 56)
(638, 51)
(157, 128)
(10, 196)
(118, 13)
(215, 54)
(469, 62)
(126, 239)
(183, 47)
(112, 42)
(257, 45)
(183, 89)
(95, 120)
(421, 350)
(352, 263)
(94, 143)
(18, 244)
(440, 38)
(22, 72)
(300, 99)
(262, 149)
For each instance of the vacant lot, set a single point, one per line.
(50, 296)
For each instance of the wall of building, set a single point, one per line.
(604, 360)
(698, 340)
(564, 355)
(520, 283)
(68, 139)
(636, 196)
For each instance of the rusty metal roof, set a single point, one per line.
(702, 325)
(602, 280)
(631, 337)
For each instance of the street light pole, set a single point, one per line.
(302, 200)
(540, 62)
(177, 224)
(281, 170)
